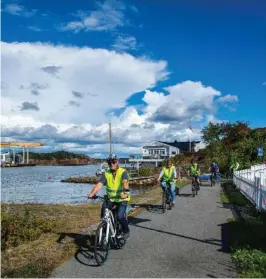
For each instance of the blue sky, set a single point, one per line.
(222, 46)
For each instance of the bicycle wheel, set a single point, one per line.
(101, 244)
(120, 241)
(193, 189)
(164, 201)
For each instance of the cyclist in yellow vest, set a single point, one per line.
(117, 190)
(168, 174)
(194, 171)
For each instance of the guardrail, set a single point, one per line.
(252, 184)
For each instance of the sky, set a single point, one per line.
(152, 67)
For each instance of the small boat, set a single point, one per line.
(104, 167)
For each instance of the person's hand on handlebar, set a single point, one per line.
(90, 196)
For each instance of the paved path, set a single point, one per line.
(184, 242)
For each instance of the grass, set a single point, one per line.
(247, 237)
(231, 194)
(30, 233)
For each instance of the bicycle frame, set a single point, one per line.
(110, 222)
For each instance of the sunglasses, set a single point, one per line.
(113, 162)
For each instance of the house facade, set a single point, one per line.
(158, 151)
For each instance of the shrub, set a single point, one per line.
(18, 228)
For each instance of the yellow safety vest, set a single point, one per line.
(168, 173)
(194, 170)
(114, 186)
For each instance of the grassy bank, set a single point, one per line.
(247, 236)
(37, 238)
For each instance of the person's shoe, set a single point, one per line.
(173, 204)
(126, 236)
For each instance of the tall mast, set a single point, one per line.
(110, 136)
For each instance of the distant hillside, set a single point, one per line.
(61, 158)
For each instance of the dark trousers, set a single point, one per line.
(121, 212)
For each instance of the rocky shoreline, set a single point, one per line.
(138, 181)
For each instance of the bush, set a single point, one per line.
(19, 228)
(251, 262)
(148, 171)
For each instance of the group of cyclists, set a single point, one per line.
(116, 181)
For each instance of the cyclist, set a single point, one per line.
(214, 169)
(117, 190)
(168, 174)
(194, 171)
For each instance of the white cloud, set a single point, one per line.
(124, 43)
(108, 16)
(187, 101)
(18, 10)
(97, 74)
(35, 28)
(75, 87)
(228, 99)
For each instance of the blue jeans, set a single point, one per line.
(163, 185)
(121, 212)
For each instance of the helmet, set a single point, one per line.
(112, 158)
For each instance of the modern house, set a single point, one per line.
(158, 151)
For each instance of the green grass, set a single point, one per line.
(247, 237)
(231, 194)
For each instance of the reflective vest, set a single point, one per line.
(114, 185)
(168, 174)
(194, 169)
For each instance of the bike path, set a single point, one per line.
(184, 242)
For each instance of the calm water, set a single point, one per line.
(41, 184)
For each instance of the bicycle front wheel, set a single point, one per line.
(102, 244)
(164, 201)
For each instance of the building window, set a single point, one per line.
(150, 151)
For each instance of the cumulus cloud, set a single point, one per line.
(34, 28)
(108, 16)
(78, 94)
(29, 106)
(74, 103)
(102, 78)
(18, 10)
(125, 42)
(186, 101)
(228, 99)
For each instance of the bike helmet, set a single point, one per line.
(112, 158)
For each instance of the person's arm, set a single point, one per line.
(160, 176)
(175, 174)
(125, 183)
(97, 186)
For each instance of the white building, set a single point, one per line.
(157, 151)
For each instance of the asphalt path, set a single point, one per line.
(188, 241)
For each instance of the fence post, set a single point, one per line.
(257, 192)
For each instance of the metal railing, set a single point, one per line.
(252, 183)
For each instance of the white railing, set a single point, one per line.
(252, 183)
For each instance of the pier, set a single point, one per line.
(8, 159)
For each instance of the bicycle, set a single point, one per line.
(109, 231)
(167, 197)
(195, 187)
(213, 179)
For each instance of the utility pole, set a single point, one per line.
(110, 135)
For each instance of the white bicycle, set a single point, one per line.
(109, 231)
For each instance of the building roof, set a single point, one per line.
(182, 145)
